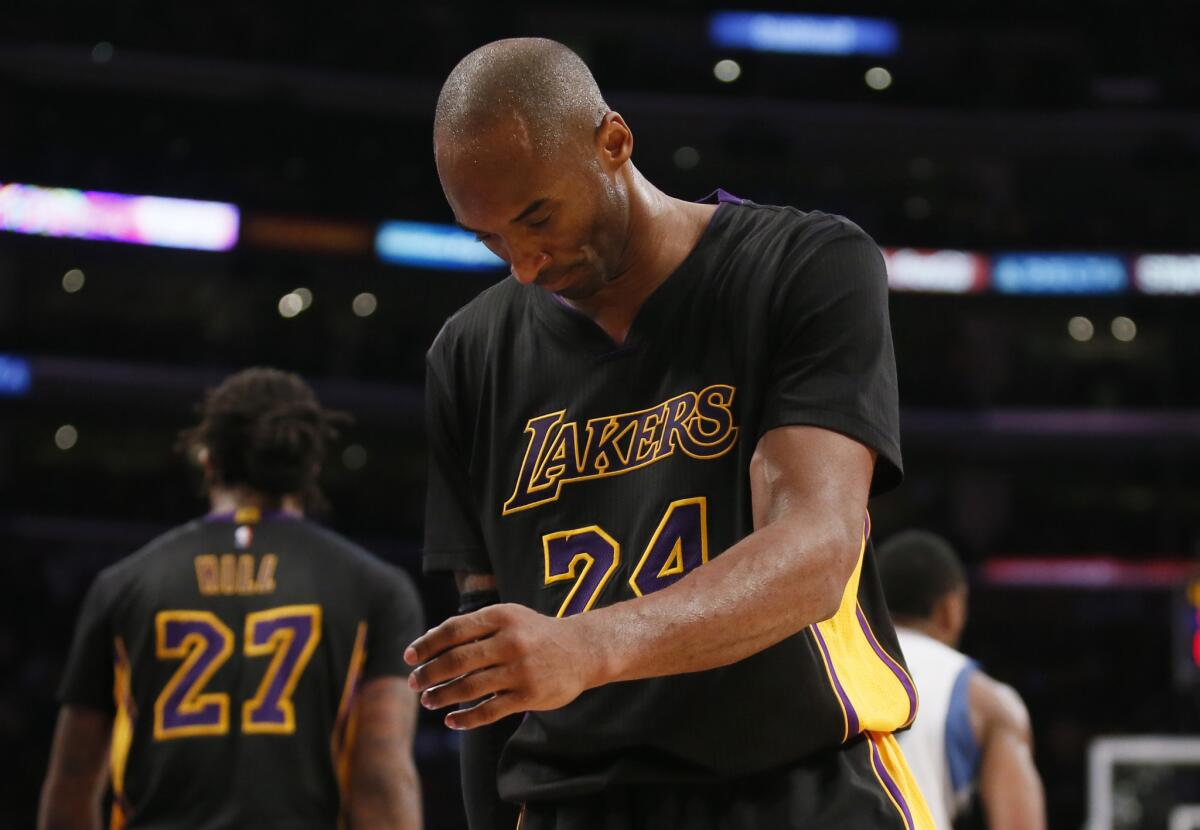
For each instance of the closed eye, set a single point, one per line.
(541, 222)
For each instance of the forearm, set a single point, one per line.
(809, 489)
(60, 814)
(385, 797)
(384, 790)
(775, 582)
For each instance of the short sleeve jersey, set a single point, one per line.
(582, 473)
(230, 651)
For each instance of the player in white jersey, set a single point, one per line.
(971, 730)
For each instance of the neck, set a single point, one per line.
(927, 627)
(233, 499)
(662, 231)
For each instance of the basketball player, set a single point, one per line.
(651, 452)
(245, 669)
(971, 729)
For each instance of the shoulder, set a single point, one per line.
(789, 230)
(125, 569)
(114, 584)
(331, 543)
(996, 706)
(799, 259)
(370, 569)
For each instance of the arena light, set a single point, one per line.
(804, 34)
(935, 271)
(1050, 273)
(73, 281)
(426, 245)
(66, 437)
(15, 376)
(300, 233)
(1081, 329)
(1123, 329)
(364, 304)
(1092, 572)
(1167, 273)
(878, 78)
(118, 217)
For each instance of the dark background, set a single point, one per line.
(1008, 127)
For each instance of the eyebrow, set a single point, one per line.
(533, 206)
(530, 209)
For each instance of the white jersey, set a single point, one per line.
(941, 748)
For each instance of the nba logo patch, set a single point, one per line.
(243, 536)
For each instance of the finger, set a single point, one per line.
(456, 662)
(454, 631)
(467, 688)
(481, 714)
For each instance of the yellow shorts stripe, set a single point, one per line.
(896, 779)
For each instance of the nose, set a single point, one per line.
(527, 267)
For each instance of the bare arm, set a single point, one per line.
(809, 488)
(1009, 785)
(384, 790)
(76, 777)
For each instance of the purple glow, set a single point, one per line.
(116, 217)
(1096, 572)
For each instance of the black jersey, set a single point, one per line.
(582, 474)
(230, 651)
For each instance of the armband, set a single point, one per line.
(474, 600)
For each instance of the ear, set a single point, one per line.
(204, 459)
(951, 614)
(614, 141)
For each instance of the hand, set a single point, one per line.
(514, 658)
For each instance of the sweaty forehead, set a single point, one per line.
(490, 172)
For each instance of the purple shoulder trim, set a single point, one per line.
(230, 516)
(720, 196)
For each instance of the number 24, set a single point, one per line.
(183, 709)
(587, 557)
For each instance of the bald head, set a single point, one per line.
(537, 88)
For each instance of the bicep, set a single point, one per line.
(809, 489)
(81, 740)
(799, 470)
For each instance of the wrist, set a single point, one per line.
(601, 653)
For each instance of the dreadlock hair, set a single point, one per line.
(265, 429)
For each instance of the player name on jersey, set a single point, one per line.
(228, 574)
(699, 423)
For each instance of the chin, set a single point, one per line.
(584, 288)
(579, 292)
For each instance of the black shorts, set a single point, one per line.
(866, 785)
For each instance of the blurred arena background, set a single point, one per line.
(1032, 174)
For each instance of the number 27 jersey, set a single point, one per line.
(582, 473)
(230, 651)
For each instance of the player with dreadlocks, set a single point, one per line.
(228, 667)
